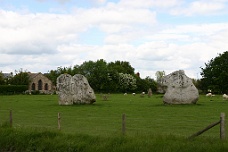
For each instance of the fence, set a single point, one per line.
(59, 121)
(123, 126)
(222, 128)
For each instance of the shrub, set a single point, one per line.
(12, 89)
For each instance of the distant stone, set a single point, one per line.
(74, 90)
(149, 92)
(180, 89)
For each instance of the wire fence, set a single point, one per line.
(105, 124)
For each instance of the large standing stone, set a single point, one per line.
(180, 89)
(74, 90)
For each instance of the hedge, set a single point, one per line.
(13, 89)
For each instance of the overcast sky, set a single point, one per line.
(152, 35)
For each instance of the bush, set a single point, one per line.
(12, 89)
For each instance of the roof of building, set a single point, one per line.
(33, 75)
(7, 75)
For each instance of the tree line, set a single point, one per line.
(120, 76)
(21, 77)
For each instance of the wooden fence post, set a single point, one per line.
(123, 124)
(11, 118)
(222, 126)
(59, 125)
(205, 129)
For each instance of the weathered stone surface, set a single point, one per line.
(180, 89)
(74, 90)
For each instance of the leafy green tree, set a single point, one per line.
(102, 76)
(52, 75)
(20, 78)
(113, 81)
(121, 67)
(96, 73)
(151, 83)
(76, 70)
(2, 81)
(142, 84)
(215, 75)
(114, 68)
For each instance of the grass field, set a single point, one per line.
(144, 116)
(150, 125)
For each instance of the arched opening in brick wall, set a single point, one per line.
(33, 86)
(46, 86)
(40, 84)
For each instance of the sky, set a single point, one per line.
(152, 35)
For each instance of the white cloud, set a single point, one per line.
(38, 32)
(59, 1)
(150, 3)
(197, 28)
(113, 17)
(98, 1)
(200, 7)
(44, 41)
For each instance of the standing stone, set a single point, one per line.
(74, 90)
(149, 92)
(180, 89)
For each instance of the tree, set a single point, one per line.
(127, 82)
(96, 73)
(2, 81)
(144, 84)
(215, 75)
(152, 83)
(160, 87)
(114, 68)
(159, 75)
(21, 78)
(197, 83)
(52, 75)
(113, 81)
(121, 67)
(102, 76)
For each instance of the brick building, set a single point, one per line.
(39, 82)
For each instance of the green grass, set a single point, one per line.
(42, 140)
(143, 115)
(149, 123)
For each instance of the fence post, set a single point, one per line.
(222, 126)
(205, 129)
(123, 124)
(11, 118)
(59, 125)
